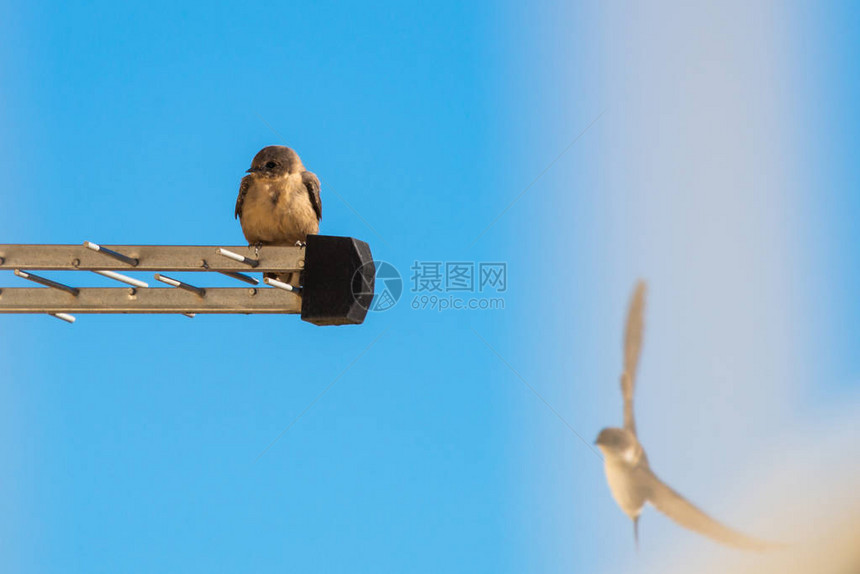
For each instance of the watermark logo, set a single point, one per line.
(388, 286)
(436, 285)
(459, 276)
(458, 285)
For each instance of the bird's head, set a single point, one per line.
(275, 161)
(617, 442)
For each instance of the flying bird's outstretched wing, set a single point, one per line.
(687, 515)
(632, 349)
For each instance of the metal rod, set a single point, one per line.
(240, 277)
(280, 285)
(122, 278)
(153, 258)
(111, 253)
(236, 257)
(63, 317)
(182, 285)
(46, 282)
(156, 299)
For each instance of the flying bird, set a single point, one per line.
(630, 478)
(279, 200)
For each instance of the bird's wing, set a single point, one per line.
(687, 515)
(243, 191)
(632, 349)
(312, 184)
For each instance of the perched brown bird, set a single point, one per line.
(628, 473)
(279, 201)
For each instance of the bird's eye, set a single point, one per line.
(270, 164)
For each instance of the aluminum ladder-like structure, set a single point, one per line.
(336, 287)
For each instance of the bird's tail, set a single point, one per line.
(636, 532)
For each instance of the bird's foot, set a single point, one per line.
(301, 244)
(257, 247)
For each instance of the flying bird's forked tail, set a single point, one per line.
(636, 532)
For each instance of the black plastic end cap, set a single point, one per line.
(338, 280)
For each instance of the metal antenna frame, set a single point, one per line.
(60, 300)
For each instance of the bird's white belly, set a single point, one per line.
(624, 489)
(283, 222)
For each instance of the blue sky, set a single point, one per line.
(129, 443)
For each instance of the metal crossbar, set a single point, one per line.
(157, 300)
(58, 299)
(270, 258)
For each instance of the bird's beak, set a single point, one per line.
(252, 170)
